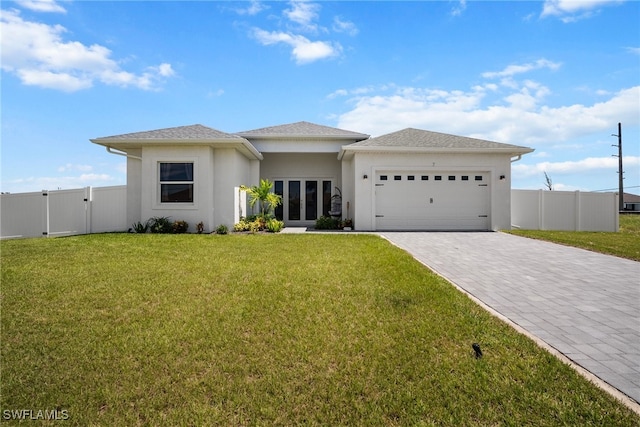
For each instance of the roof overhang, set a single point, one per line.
(240, 144)
(348, 152)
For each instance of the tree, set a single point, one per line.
(262, 193)
(548, 183)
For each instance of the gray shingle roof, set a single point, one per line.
(417, 138)
(193, 132)
(631, 198)
(301, 129)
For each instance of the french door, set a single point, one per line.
(303, 200)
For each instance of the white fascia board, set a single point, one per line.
(243, 146)
(349, 151)
(297, 146)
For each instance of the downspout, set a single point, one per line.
(120, 153)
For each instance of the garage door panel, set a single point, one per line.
(427, 203)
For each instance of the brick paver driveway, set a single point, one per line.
(583, 304)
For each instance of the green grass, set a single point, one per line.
(625, 243)
(121, 329)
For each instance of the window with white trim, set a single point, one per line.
(176, 182)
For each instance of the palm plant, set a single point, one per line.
(262, 193)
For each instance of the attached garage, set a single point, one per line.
(426, 200)
(420, 180)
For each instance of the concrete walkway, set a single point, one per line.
(583, 304)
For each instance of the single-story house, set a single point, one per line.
(631, 202)
(407, 180)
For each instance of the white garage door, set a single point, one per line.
(432, 201)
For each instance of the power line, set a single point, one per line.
(611, 189)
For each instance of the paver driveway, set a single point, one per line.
(583, 304)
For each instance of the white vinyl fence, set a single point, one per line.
(564, 210)
(63, 212)
(103, 209)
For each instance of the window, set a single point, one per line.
(411, 178)
(176, 182)
(397, 177)
(326, 197)
(278, 188)
(438, 178)
(425, 177)
(478, 177)
(465, 177)
(383, 177)
(452, 177)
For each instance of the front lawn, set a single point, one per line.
(625, 243)
(120, 329)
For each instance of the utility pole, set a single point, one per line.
(620, 171)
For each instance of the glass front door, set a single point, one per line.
(303, 200)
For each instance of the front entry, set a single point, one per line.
(303, 200)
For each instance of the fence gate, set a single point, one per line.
(67, 212)
(46, 213)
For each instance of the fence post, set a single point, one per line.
(87, 209)
(45, 194)
(577, 226)
(616, 211)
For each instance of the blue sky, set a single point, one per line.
(554, 75)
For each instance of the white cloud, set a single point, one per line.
(577, 166)
(342, 26)
(303, 13)
(42, 5)
(72, 167)
(254, 8)
(303, 50)
(300, 17)
(541, 154)
(574, 10)
(38, 55)
(518, 118)
(459, 8)
(30, 184)
(215, 93)
(515, 69)
(634, 50)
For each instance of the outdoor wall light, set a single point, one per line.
(502, 177)
(365, 176)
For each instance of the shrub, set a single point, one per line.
(160, 225)
(327, 223)
(256, 226)
(274, 226)
(180, 227)
(140, 227)
(222, 229)
(257, 223)
(243, 225)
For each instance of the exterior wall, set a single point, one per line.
(134, 188)
(299, 145)
(369, 163)
(202, 207)
(231, 169)
(297, 165)
(348, 189)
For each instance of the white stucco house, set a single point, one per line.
(407, 180)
